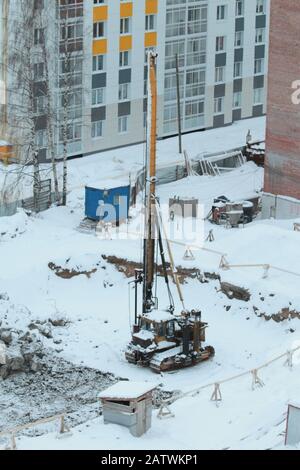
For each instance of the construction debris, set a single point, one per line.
(19, 352)
(235, 292)
(284, 314)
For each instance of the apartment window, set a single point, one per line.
(195, 83)
(220, 44)
(41, 138)
(260, 35)
(239, 39)
(39, 104)
(220, 75)
(125, 26)
(258, 96)
(150, 22)
(176, 22)
(123, 124)
(219, 105)
(237, 100)
(196, 51)
(71, 31)
(98, 63)
(260, 7)
(124, 60)
(38, 36)
(98, 96)
(239, 8)
(97, 129)
(197, 20)
(74, 131)
(38, 71)
(259, 66)
(99, 29)
(171, 49)
(124, 91)
(238, 69)
(221, 12)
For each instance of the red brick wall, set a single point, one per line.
(282, 175)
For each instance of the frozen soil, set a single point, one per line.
(58, 387)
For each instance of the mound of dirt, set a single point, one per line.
(128, 268)
(66, 273)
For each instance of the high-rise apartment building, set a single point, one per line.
(93, 88)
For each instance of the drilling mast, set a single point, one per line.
(150, 203)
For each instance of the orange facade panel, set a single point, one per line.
(126, 9)
(100, 13)
(125, 43)
(150, 39)
(151, 7)
(6, 153)
(100, 46)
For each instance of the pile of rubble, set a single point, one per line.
(22, 351)
(19, 352)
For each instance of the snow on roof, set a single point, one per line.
(125, 390)
(144, 334)
(295, 404)
(3, 143)
(108, 183)
(160, 315)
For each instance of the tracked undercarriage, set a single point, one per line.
(165, 342)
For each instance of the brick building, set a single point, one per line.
(282, 175)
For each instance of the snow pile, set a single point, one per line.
(11, 227)
(242, 183)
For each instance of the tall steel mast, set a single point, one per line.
(150, 210)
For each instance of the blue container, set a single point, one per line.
(109, 205)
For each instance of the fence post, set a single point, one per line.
(216, 395)
(13, 442)
(62, 424)
(289, 359)
(256, 380)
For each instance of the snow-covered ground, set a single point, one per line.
(98, 307)
(118, 164)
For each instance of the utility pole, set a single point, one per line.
(178, 104)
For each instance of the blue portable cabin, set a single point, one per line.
(110, 204)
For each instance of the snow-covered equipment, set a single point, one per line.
(129, 404)
(231, 213)
(255, 151)
(161, 339)
(292, 435)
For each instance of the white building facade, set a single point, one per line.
(222, 51)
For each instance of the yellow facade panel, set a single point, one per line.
(100, 46)
(150, 39)
(100, 13)
(125, 43)
(151, 7)
(126, 9)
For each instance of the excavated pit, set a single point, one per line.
(58, 387)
